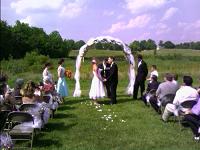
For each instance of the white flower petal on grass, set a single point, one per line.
(123, 120)
(115, 115)
(111, 120)
(99, 110)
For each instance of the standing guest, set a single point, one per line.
(185, 93)
(112, 80)
(61, 88)
(165, 88)
(104, 67)
(142, 73)
(46, 72)
(97, 89)
(153, 72)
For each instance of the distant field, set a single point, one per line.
(97, 53)
(78, 125)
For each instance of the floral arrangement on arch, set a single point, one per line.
(68, 73)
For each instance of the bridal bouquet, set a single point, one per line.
(68, 73)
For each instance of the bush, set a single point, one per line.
(35, 61)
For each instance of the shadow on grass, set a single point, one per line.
(74, 101)
(41, 141)
(58, 126)
(125, 100)
(119, 100)
(64, 107)
(60, 116)
(46, 142)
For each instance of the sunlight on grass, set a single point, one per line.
(80, 125)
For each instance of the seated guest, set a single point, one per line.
(28, 93)
(175, 79)
(153, 72)
(18, 86)
(49, 90)
(28, 97)
(6, 94)
(151, 88)
(2, 92)
(192, 120)
(185, 93)
(48, 87)
(165, 88)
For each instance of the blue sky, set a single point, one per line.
(128, 20)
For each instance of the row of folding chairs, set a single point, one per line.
(14, 123)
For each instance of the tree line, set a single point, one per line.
(17, 40)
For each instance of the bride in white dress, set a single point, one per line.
(97, 88)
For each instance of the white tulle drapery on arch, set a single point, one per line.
(84, 49)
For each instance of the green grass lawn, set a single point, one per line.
(79, 125)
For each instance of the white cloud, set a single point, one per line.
(169, 13)
(162, 28)
(28, 20)
(138, 22)
(120, 16)
(73, 9)
(190, 25)
(144, 36)
(138, 6)
(23, 6)
(108, 13)
(189, 30)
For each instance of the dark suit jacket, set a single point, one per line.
(113, 74)
(152, 86)
(105, 71)
(142, 72)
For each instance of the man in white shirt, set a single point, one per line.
(185, 93)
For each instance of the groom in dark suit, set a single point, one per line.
(142, 73)
(112, 80)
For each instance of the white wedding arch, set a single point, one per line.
(84, 49)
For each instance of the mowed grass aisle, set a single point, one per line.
(79, 125)
(129, 125)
